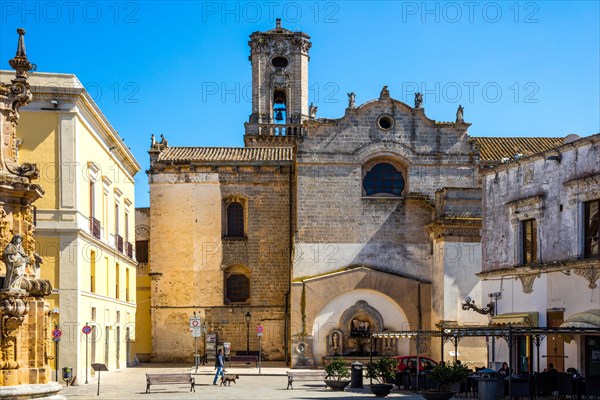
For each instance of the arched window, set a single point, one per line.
(235, 220)
(237, 285)
(383, 178)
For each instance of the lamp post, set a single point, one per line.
(470, 304)
(248, 316)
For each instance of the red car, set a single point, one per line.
(425, 362)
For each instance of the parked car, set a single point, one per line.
(424, 362)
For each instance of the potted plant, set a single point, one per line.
(382, 371)
(445, 376)
(336, 370)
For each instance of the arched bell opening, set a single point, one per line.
(279, 107)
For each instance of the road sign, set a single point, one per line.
(195, 322)
(86, 329)
(56, 339)
(57, 333)
(259, 331)
(196, 331)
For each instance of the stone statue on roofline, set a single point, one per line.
(418, 100)
(459, 115)
(312, 111)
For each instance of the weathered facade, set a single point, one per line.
(540, 249)
(322, 229)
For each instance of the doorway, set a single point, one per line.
(555, 344)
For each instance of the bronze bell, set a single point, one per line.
(279, 115)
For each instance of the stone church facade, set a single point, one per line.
(319, 230)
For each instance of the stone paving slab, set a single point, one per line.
(130, 383)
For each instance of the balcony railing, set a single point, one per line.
(119, 243)
(279, 130)
(129, 248)
(95, 227)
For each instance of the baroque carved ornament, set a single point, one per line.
(527, 282)
(590, 273)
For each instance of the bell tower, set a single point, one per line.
(279, 59)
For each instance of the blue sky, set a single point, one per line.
(181, 68)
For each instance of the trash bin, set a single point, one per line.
(67, 374)
(356, 378)
(487, 387)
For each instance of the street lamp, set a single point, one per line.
(470, 304)
(248, 316)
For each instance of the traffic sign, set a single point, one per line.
(195, 322)
(259, 331)
(57, 333)
(196, 331)
(86, 329)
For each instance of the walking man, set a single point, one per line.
(219, 365)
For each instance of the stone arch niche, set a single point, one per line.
(356, 325)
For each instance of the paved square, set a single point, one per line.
(130, 383)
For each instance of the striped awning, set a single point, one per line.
(585, 319)
(516, 319)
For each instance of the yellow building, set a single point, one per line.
(142, 346)
(85, 221)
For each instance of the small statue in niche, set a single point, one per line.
(418, 100)
(335, 343)
(351, 100)
(459, 114)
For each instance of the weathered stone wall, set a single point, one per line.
(385, 232)
(189, 255)
(340, 227)
(549, 191)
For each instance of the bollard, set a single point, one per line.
(357, 375)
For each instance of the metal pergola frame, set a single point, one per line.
(453, 334)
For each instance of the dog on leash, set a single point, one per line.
(227, 379)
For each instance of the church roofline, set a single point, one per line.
(225, 154)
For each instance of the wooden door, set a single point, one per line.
(555, 348)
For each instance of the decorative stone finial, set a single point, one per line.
(20, 63)
(385, 93)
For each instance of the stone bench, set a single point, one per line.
(245, 360)
(170, 379)
(310, 375)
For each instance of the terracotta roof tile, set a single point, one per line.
(495, 148)
(190, 154)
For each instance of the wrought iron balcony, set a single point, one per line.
(119, 243)
(95, 229)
